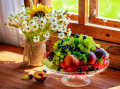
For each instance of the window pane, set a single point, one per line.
(109, 9)
(70, 5)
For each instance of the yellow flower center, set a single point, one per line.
(61, 35)
(36, 38)
(34, 27)
(54, 26)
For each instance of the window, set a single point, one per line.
(105, 12)
(91, 20)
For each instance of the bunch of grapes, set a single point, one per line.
(77, 46)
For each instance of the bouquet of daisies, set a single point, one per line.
(39, 22)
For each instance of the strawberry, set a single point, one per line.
(63, 65)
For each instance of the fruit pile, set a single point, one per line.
(77, 54)
(39, 76)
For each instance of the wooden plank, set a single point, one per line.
(27, 4)
(96, 31)
(105, 22)
(36, 2)
(83, 12)
(93, 8)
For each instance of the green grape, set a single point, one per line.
(73, 45)
(61, 56)
(57, 62)
(88, 50)
(93, 48)
(56, 44)
(85, 49)
(81, 47)
(68, 43)
(61, 60)
(58, 53)
(81, 35)
(57, 58)
(66, 50)
(68, 53)
(72, 40)
(64, 43)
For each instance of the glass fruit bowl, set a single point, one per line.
(77, 79)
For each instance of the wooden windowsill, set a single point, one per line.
(11, 72)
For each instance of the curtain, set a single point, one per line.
(6, 7)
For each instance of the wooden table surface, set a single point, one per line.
(11, 72)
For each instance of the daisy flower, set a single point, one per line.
(31, 22)
(59, 28)
(47, 34)
(41, 26)
(36, 39)
(53, 20)
(47, 19)
(61, 35)
(35, 27)
(60, 21)
(42, 21)
(54, 26)
(28, 29)
(64, 29)
(35, 18)
(24, 24)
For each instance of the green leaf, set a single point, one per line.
(98, 45)
(101, 61)
(87, 54)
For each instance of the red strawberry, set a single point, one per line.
(63, 65)
(68, 60)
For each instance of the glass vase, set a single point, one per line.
(34, 53)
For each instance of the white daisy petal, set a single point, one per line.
(36, 39)
(64, 29)
(47, 34)
(61, 35)
(35, 27)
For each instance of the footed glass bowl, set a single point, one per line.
(77, 79)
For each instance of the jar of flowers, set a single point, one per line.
(37, 24)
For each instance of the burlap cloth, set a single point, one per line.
(34, 53)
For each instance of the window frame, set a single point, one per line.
(95, 19)
(85, 26)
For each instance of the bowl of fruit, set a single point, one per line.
(77, 58)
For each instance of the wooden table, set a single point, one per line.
(11, 72)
